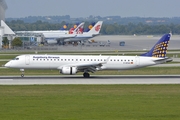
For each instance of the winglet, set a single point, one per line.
(160, 48)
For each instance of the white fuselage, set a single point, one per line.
(58, 61)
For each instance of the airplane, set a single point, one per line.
(72, 64)
(94, 31)
(78, 33)
(62, 30)
(54, 38)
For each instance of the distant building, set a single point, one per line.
(3, 7)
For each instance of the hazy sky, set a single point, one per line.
(85, 8)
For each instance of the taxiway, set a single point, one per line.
(94, 80)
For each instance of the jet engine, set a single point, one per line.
(51, 41)
(69, 70)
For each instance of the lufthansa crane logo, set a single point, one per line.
(97, 28)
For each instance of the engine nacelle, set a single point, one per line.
(51, 41)
(69, 70)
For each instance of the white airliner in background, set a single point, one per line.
(62, 30)
(94, 31)
(56, 37)
(76, 36)
(71, 64)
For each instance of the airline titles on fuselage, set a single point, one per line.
(46, 57)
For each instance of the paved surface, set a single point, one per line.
(132, 43)
(66, 80)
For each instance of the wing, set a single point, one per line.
(85, 67)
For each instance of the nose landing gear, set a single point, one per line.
(22, 72)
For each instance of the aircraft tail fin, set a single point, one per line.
(7, 29)
(77, 29)
(65, 26)
(90, 27)
(160, 48)
(96, 28)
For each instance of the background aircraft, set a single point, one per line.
(71, 64)
(94, 31)
(57, 38)
(75, 35)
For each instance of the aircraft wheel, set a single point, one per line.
(86, 75)
(22, 75)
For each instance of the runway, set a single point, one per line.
(94, 80)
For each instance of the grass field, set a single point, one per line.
(90, 102)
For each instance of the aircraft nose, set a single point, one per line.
(7, 64)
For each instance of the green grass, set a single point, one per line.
(90, 102)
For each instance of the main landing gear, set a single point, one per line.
(86, 75)
(22, 72)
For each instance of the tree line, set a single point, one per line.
(107, 28)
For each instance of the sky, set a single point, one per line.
(85, 8)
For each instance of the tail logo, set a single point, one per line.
(80, 31)
(71, 31)
(160, 49)
(97, 28)
(90, 27)
(65, 26)
(75, 26)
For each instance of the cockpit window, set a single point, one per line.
(16, 59)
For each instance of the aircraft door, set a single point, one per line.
(27, 59)
(137, 61)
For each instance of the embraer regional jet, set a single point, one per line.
(71, 64)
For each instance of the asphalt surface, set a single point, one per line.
(93, 80)
(132, 43)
